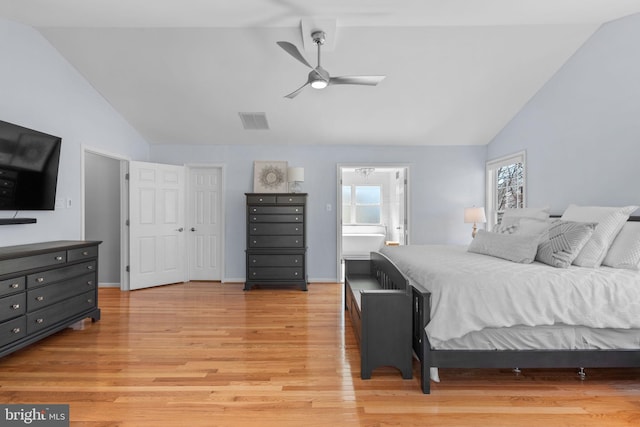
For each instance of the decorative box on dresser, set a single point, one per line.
(44, 288)
(276, 240)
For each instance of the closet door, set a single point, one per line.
(157, 226)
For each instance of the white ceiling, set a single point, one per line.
(180, 71)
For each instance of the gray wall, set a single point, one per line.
(443, 180)
(102, 213)
(40, 90)
(581, 131)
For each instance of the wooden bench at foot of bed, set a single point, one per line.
(378, 300)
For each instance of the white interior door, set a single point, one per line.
(205, 223)
(157, 235)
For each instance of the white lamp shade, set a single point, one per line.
(474, 215)
(295, 174)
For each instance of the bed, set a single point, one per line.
(475, 310)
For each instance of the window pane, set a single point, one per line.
(509, 186)
(346, 214)
(369, 195)
(368, 214)
(346, 194)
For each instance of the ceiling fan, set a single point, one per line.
(319, 78)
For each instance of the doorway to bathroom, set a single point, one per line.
(372, 209)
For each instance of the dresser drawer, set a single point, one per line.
(276, 273)
(13, 330)
(275, 260)
(276, 242)
(51, 276)
(34, 261)
(12, 306)
(276, 218)
(261, 199)
(82, 253)
(47, 295)
(276, 209)
(10, 286)
(53, 314)
(291, 200)
(277, 228)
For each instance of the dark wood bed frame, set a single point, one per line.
(501, 359)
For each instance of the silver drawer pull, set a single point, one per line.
(40, 279)
(296, 261)
(255, 210)
(297, 210)
(295, 274)
(40, 320)
(16, 330)
(254, 261)
(58, 258)
(255, 242)
(255, 229)
(14, 285)
(90, 301)
(90, 283)
(290, 199)
(254, 273)
(15, 306)
(89, 267)
(297, 218)
(40, 298)
(85, 253)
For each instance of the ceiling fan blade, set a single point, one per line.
(356, 80)
(296, 92)
(293, 51)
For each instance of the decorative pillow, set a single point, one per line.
(512, 247)
(625, 249)
(538, 213)
(562, 243)
(609, 219)
(533, 225)
(507, 229)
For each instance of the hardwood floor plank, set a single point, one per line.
(207, 354)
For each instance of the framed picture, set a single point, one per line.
(269, 176)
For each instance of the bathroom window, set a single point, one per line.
(361, 204)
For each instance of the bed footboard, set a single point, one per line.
(504, 359)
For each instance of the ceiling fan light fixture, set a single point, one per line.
(318, 84)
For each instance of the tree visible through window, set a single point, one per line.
(505, 186)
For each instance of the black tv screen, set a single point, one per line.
(28, 168)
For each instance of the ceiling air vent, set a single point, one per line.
(254, 121)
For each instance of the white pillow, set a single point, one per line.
(625, 249)
(609, 219)
(537, 213)
(511, 247)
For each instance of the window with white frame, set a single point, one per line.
(361, 204)
(506, 180)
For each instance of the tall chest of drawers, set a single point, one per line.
(276, 240)
(44, 288)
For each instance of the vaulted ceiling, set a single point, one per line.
(181, 71)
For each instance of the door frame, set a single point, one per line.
(188, 212)
(339, 171)
(124, 207)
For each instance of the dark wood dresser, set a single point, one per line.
(44, 288)
(276, 240)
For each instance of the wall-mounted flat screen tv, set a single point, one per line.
(28, 168)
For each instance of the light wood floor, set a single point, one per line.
(206, 354)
